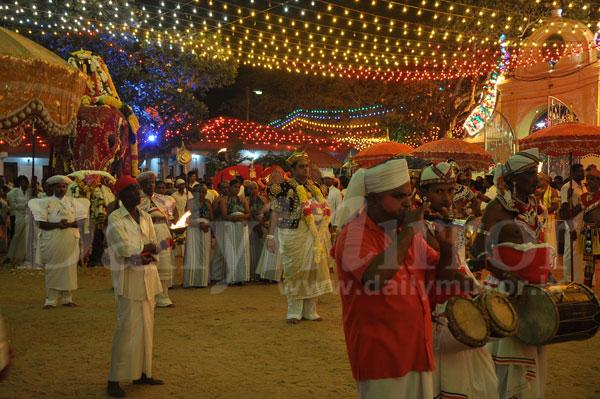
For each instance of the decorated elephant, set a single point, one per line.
(106, 137)
(102, 140)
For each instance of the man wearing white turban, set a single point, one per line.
(59, 218)
(572, 192)
(158, 207)
(511, 233)
(181, 196)
(382, 269)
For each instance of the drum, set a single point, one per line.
(559, 313)
(501, 314)
(467, 322)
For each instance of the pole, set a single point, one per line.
(571, 214)
(33, 191)
(51, 160)
(248, 103)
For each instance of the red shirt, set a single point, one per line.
(388, 332)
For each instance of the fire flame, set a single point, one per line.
(181, 222)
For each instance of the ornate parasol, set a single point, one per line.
(37, 86)
(572, 139)
(465, 154)
(380, 152)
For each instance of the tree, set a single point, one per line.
(271, 159)
(219, 160)
(164, 85)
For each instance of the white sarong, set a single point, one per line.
(18, 242)
(460, 371)
(196, 261)
(303, 277)
(270, 266)
(131, 353)
(236, 251)
(414, 385)
(520, 368)
(217, 265)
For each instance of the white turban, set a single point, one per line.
(438, 174)
(145, 175)
(59, 179)
(383, 177)
(179, 181)
(518, 163)
(168, 181)
(329, 174)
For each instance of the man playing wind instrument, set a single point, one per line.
(302, 215)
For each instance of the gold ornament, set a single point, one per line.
(184, 156)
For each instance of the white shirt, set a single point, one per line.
(53, 210)
(491, 194)
(127, 238)
(334, 199)
(17, 201)
(575, 200)
(181, 201)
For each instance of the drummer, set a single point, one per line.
(459, 369)
(589, 240)
(511, 233)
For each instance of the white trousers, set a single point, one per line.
(578, 271)
(52, 296)
(414, 385)
(131, 353)
(513, 383)
(162, 298)
(302, 308)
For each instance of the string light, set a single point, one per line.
(481, 114)
(223, 130)
(325, 39)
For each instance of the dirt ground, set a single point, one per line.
(216, 343)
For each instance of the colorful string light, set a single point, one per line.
(481, 114)
(223, 131)
(319, 38)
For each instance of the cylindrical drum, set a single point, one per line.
(501, 313)
(467, 322)
(559, 313)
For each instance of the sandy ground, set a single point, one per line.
(216, 343)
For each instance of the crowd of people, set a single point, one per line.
(390, 232)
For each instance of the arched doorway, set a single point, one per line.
(499, 138)
(556, 113)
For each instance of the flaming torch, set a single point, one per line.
(181, 223)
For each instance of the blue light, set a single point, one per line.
(152, 137)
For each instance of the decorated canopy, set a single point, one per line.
(36, 85)
(557, 140)
(465, 154)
